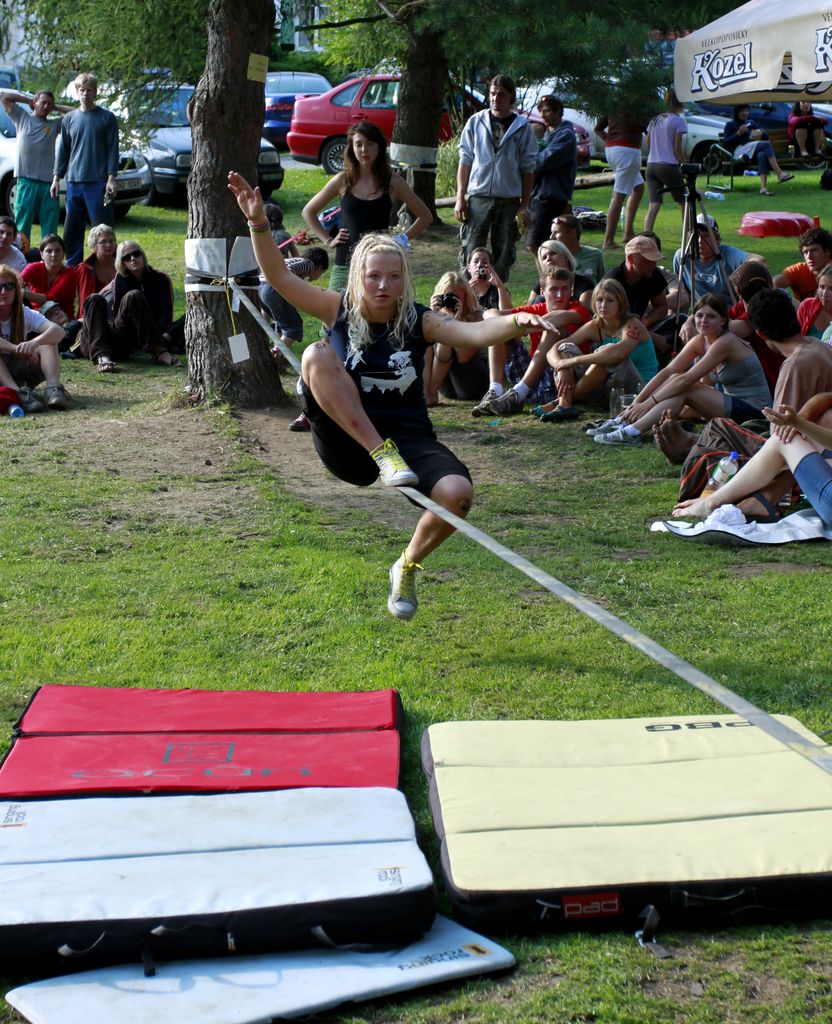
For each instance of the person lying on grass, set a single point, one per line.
(362, 388)
(799, 442)
(622, 355)
(714, 356)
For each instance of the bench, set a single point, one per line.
(720, 163)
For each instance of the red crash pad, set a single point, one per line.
(777, 222)
(88, 709)
(85, 740)
(54, 766)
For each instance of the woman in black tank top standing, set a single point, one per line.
(367, 188)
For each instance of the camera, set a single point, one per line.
(449, 301)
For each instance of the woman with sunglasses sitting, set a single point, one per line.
(136, 312)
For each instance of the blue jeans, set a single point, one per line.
(84, 201)
(814, 474)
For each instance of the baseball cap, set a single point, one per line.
(641, 245)
(705, 220)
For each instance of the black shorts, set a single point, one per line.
(345, 458)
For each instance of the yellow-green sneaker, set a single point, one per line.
(392, 469)
(402, 600)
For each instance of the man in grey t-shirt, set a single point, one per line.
(36, 136)
(87, 155)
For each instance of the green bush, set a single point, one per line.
(446, 167)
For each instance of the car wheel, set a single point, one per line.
(7, 193)
(700, 152)
(332, 154)
(152, 197)
(121, 212)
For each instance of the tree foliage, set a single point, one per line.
(126, 45)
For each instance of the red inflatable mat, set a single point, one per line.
(777, 222)
(79, 740)
(54, 766)
(62, 710)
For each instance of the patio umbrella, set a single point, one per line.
(764, 50)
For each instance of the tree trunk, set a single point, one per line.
(420, 103)
(227, 120)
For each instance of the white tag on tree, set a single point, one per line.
(239, 348)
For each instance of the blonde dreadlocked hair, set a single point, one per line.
(357, 324)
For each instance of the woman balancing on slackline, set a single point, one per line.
(362, 388)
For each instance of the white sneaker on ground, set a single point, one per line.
(617, 436)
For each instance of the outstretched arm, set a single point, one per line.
(492, 331)
(308, 297)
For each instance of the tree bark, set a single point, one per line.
(420, 103)
(227, 120)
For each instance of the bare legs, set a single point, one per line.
(759, 472)
(337, 395)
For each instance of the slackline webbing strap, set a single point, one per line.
(287, 353)
(683, 669)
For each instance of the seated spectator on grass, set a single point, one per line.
(799, 443)
(288, 320)
(715, 264)
(489, 290)
(28, 349)
(622, 355)
(815, 315)
(715, 356)
(98, 270)
(642, 281)
(10, 255)
(806, 130)
(816, 249)
(135, 313)
(274, 215)
(749, 279)
(553, 254)
(806, 371)
(589, 261)
(50, 279)
(565, 316)
(452, 372)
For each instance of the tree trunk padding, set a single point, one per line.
(227, 120)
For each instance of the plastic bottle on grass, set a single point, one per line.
(723, 471)
(719, 196)
(16, 412)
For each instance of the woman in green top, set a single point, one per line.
(621, 354)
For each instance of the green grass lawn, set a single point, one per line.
(144, 544)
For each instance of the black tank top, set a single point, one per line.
(359, 217)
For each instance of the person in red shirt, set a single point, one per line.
(564, 314)
(50, 279)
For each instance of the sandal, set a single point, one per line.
(765, 192)
(160, 360)
(786, 177)
(105, 365)
(771, 515)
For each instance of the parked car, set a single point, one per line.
(319, 123)
(282, 89)
(169, 150)
(133, 181)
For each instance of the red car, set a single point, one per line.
(320, 123)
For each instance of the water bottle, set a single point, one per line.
(718, 196)
(751, 174)
(723, 471)
(15, 412)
